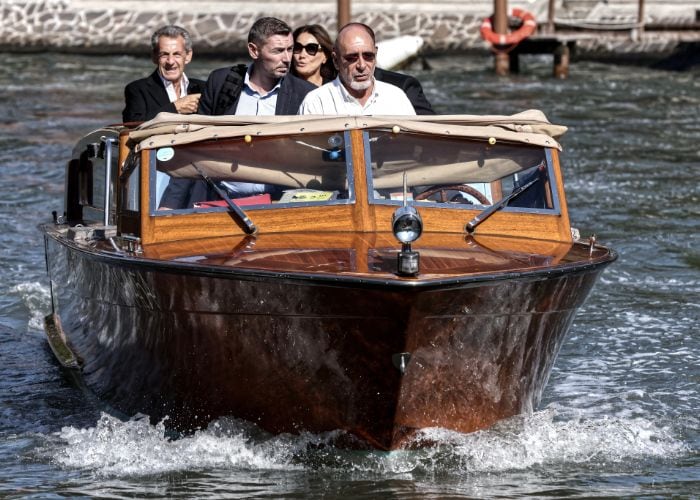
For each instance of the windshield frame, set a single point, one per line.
(153, 210)
(552, 190)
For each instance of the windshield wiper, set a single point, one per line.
(481, 217)
(249, 226)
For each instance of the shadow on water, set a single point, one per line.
(618, 417)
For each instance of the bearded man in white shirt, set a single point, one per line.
(355, 91)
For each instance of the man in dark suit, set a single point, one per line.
(265, 87)
(167, 88)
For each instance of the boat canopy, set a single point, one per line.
(170, 129)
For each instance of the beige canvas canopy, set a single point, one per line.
(170, 129)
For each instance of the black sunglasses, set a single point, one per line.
(353, 58)
(310, 48)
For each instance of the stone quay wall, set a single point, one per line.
(221, 26)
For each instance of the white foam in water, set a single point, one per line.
(538, 439)
(134, 448)
(37, 298)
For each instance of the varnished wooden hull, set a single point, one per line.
(294, 351)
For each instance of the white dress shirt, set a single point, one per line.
(170, 88)
(162, 179)
(334, 99)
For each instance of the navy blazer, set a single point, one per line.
(183, 193)
(147, 97)
(291, 93)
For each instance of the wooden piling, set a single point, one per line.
(638, 32)
(343, 13)
(561, 61)
(500, 26)
(550, 16)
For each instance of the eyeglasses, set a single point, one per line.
(353, 58)
(310, 48)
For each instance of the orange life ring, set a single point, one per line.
(526, 29)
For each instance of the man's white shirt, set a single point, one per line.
(162, 178)
(333, 99)
(170, 88)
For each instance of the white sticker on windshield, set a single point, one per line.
(165, 154)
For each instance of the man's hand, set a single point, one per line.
(188, 104)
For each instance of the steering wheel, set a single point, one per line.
(443, 190)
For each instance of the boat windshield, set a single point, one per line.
(255, 172)
(456, 171)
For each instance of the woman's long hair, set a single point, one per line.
(328, 71)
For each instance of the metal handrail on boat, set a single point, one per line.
(108, 143)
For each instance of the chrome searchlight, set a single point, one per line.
(407, 226)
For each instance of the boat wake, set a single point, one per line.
(37, 299)
(137, 448)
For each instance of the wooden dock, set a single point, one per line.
(562, 37)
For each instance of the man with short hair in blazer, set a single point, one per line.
(167, 88)
(263, 87)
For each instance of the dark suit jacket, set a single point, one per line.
(411, 86)
(291, 93)
(183, 193)
(147, 97)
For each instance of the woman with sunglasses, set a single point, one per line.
(356, 91)
(311, 58)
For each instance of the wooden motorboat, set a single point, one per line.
(394, 273)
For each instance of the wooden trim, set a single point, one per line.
(148, 223)
(343, 240)
(521, 224)
(341, 218)
(363, 214)
(564, 223)
(126, 223)
(123, 149)
(358, 217)
(496, 191)
(174, 227)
